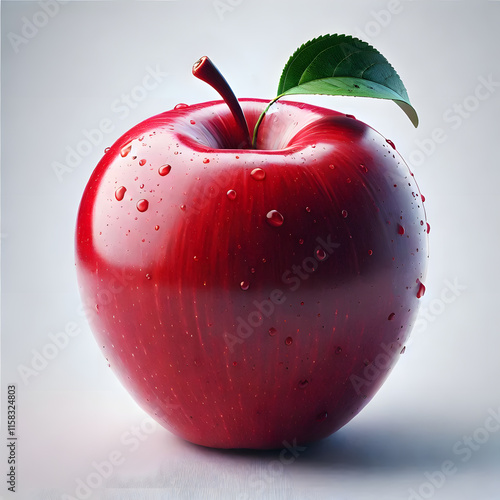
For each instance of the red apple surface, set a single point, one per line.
(252, 297)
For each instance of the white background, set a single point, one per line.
(70, 73)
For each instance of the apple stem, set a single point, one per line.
(205, 70)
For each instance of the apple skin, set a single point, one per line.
(232, 331)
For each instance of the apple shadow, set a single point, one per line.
(391, 456)
(379, 446)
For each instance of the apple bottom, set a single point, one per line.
(248, 380)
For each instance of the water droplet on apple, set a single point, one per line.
(157, 227)
(126, 150)
(338, 350)
(332, 167)
(181, 105)
(322, 416)
(422, 196)
(363, 168)
(303, 383)
(97, 308)
(320, 254)
(421, 289)
(106, 150)
(391, 316)
(164, 169)
(120, 193)
(274, 218)
(350, 116)
(393, 146)
(308, 210)
(272, 331)
(206, 160)
(289, 341)
(142, 162)
(231, 194)
(344, 213)
(301, 241)
(142, 205)
(148, 276)
(428, 228)
(403, 350)
(401, 229)
(370, 252)
(244, 285)
(258, 174)
(192, 122)
(183, 207)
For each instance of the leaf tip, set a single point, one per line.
(410, 112)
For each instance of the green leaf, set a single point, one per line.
(343, 65)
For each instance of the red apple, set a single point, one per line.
(251, 297)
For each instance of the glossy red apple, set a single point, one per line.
(251, 297)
